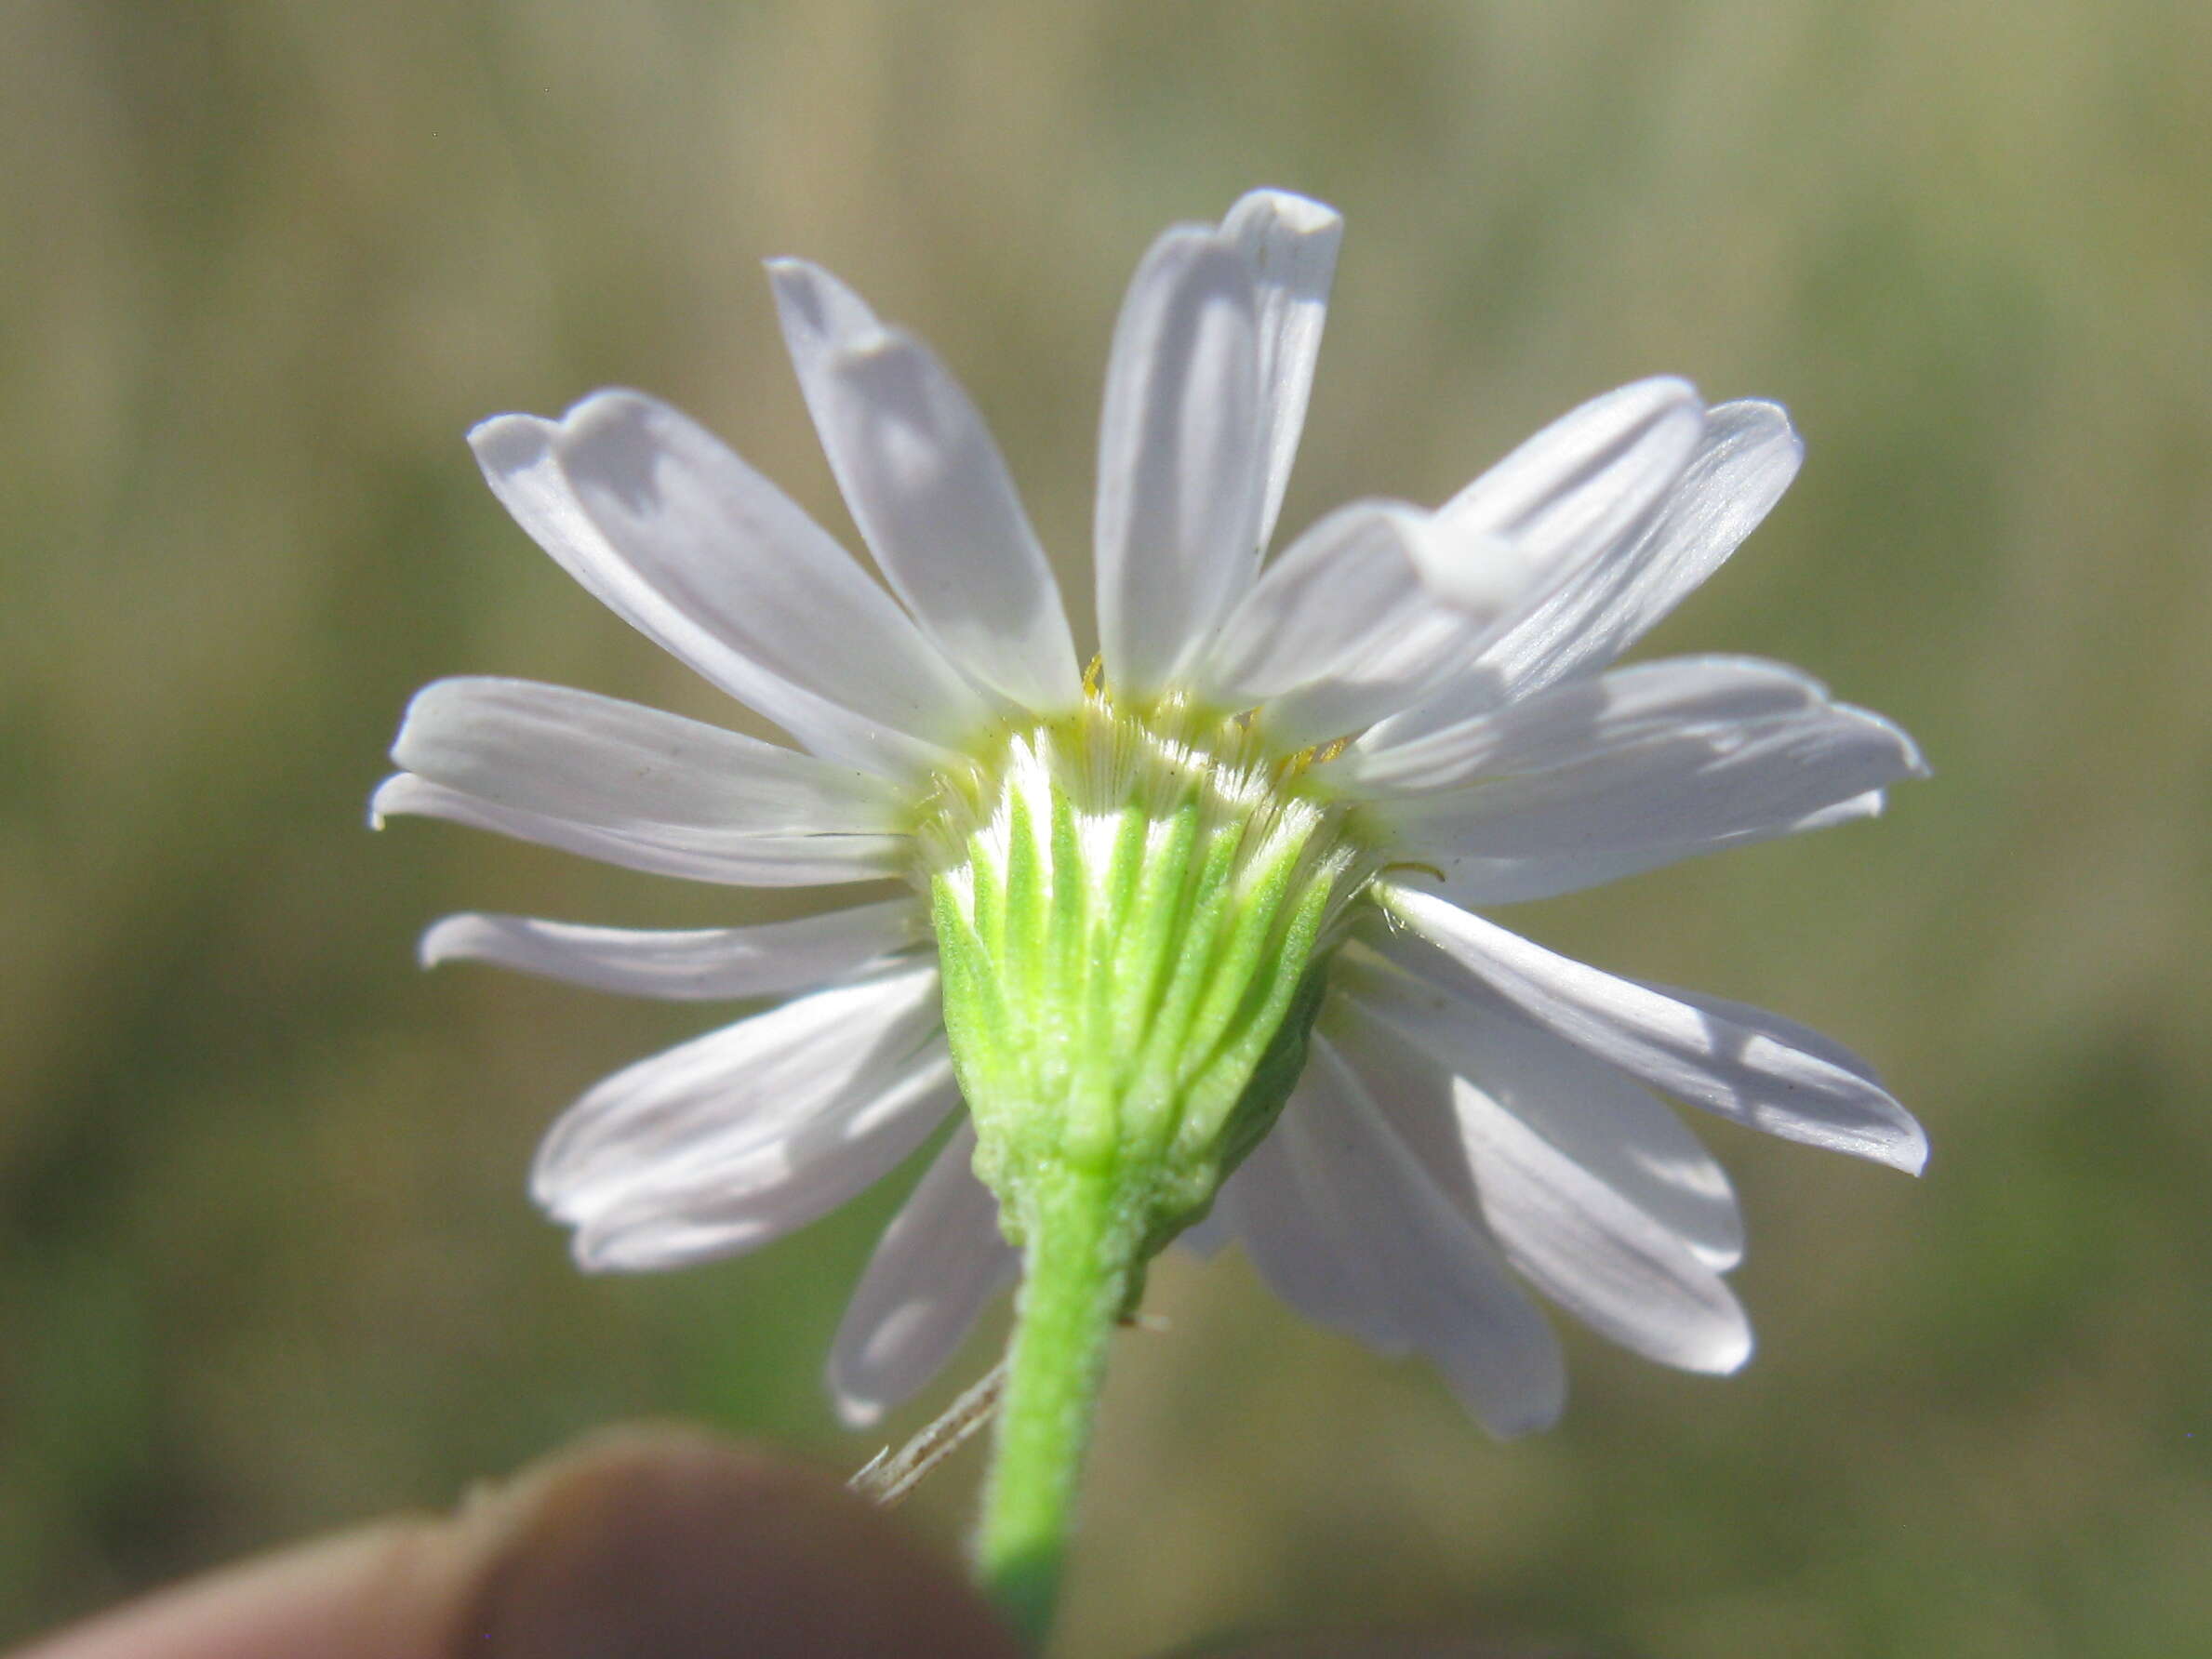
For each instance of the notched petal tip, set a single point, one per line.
(1301, 214)
(510, 443)
(814, 287)
(1911, 1152)
(1917, 762)
(816, 309)
(1897, 1142)
(1911, 762)
(391, 799)
(608, 407)
(431, 704)
(552, 1191)
(1762, 417)
(1274, 215)
(617, 441)
(1732, 1356)
(451, 939)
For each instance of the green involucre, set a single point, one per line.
(1133, 913)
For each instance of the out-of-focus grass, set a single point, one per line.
(265, 1259)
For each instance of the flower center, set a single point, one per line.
(1134, 909)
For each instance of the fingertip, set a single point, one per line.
(672, 1543)
(386, 1591)
(649, 1541)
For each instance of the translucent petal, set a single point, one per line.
(1744, 457)
(573, 754)
(1623, 706)
(1569, 493)
(1290, 244)
(683, 606)
(678, 1222)
(1182, 461)
(940, 1263)
(736, 1136)
(930, 493)
(1594, 1113)
(706, 528)
(695, 964)
(738, 859)
(1339, 631)
(1733, 1069)
(1575, 1237)
(1478, 883)
(1591, 1250)
(1678, 776)
(1346, 1226)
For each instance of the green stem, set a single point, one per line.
(1078, 1254)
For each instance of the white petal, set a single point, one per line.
(1290, 244)
(1593, 1252)
(698, 964)
(1769, 1024)
(1304, 1245)
(1346, 1226)
(1734, 1069)
(1581, 1241)
(1680, 776)
(1744, 462)
(735, 1138)
(682, 1222)
(735, 858)
(574, 754)
(1597, 780)
(940, 1263)
(930, 494)
(739, 555)
(1592, 1112)
(1625, 706)
(1339, 631)
(1477, 883)
(750, 1084)
(1181, 462)
(1566, 494)
(681, 609)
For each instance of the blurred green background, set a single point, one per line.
(266, 1264)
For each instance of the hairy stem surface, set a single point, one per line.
(1080, 1250)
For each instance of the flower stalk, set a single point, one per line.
(1077, 1278)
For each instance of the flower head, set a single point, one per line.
(1206, 916)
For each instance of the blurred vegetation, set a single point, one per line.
(265, 1259)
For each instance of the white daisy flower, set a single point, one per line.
(1211, 912)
